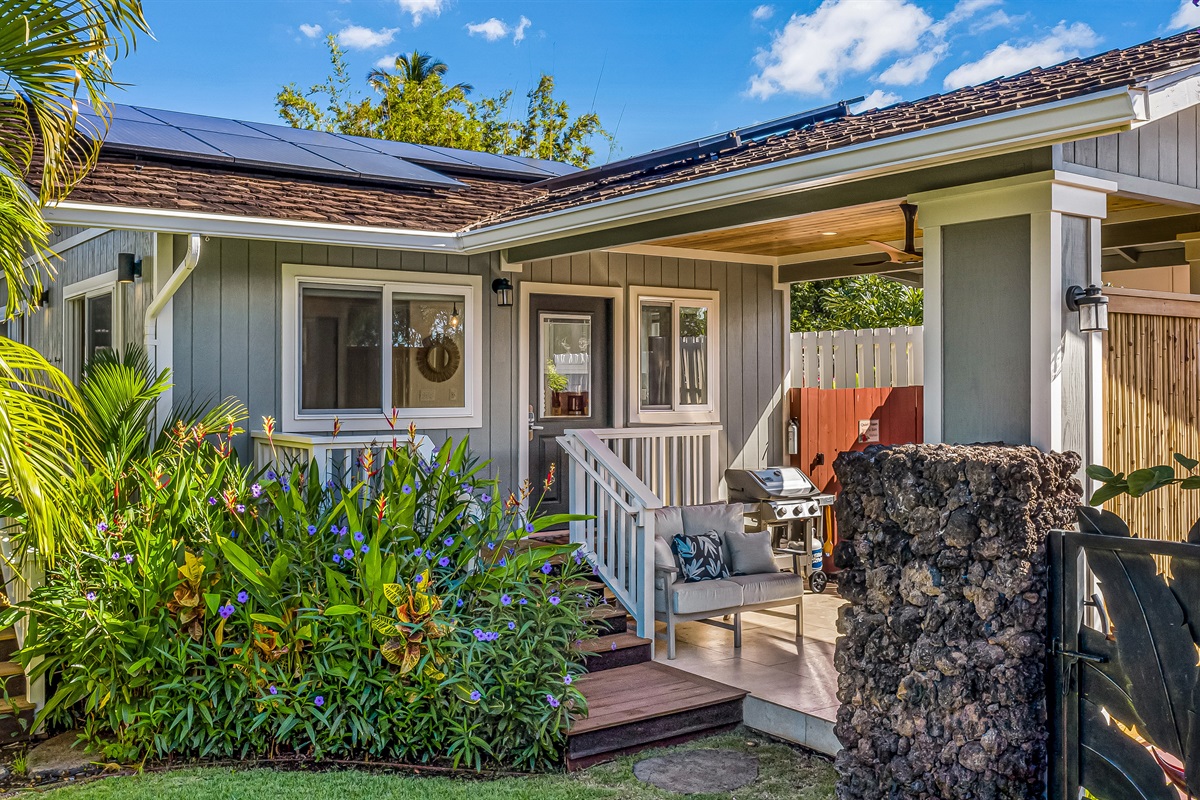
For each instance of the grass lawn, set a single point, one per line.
(783, 773)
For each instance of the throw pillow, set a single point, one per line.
(750, 552)
(699, 556)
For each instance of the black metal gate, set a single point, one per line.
(1124, 680)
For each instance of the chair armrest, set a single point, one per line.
(664, 574)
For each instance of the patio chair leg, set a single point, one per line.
(799, 621)
(737, 631)
(670, 636)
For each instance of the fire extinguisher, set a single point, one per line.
(793, 436)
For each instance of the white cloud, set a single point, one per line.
(496, 29)
(877, 99)
(357, 37)
(311, 31)
(762, 13)
(419, 9)
(814, 52)
(519, 31)
(386, 62)
(1062, 43)
(1186, 16)
(998, 19)
(934, 46)
(913, 69)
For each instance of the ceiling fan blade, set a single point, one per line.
(894, 252)
(872, 263)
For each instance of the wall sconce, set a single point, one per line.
(455, 320)
(44, 298)
(1092, 306)
(504, 292)
(128, 267)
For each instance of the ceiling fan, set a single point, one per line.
(910, 254)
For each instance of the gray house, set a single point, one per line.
(327, 280)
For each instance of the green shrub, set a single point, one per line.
(205, 610)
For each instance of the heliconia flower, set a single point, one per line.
(475, 696)
(312, 530)
(552, 700)
(358, 536)
(367, 461)
(337, 426)
(319, 701)
(268, 426)
(256, 490)
(90, 597)
(554, 600)
(381, 504)
(226, 611)
(101, 527)
(546, 568)
(412, 431)
(512, 626)
(546, 484)
(272, 689)
(443, 561)
(567, 679)
(129, 558)
(160, 479)
(512, 501)
(505, 600)
(242, 596)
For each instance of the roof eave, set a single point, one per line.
(1048, 123)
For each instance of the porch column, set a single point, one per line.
(1191, 251)
(1004, 358)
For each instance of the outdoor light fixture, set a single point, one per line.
(503, 288)
(454, 319)
(1092, 306)
(44, 298)
(128, 267)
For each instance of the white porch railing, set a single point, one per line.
(340, 458)
(679, 464)
(858, 359)
(620, 536)
(22, 572)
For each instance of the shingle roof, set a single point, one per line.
(163, 184)
(1081, 76)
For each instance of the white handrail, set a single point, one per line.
(678, 463)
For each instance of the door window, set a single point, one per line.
(566, 365)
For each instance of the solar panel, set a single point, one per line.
(485, 162)
(303, 136)
(146, 136)
(551, 167)
(269, 152)
(406, 150)
(201, 122)
(378, 165)
(122, 111)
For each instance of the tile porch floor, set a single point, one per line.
(792, 684)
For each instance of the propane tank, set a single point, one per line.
(793, 437)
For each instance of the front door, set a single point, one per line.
(570, 383)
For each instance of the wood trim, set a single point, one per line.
(1160, 304)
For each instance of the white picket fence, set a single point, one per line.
(858, 359)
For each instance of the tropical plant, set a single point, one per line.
(413, 103)
(53, 53)
(1141, 481)
(868, 301)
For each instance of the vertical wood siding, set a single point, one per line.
(1167, 150)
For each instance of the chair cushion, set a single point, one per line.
(718, 517)
(699, 556)
(663, 557)
(769, 587)
(703, 596)
(750, 553)
(667, 522)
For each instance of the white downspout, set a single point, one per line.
(161, 298)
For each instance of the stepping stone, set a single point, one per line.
(60, 757)
(698, 771)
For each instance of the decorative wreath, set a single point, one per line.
(439, 359)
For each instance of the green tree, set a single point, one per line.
(412, 102)
(53, 54)
(868, 301)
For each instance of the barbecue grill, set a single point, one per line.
(781, 499)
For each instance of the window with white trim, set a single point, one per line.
(675, 367)
(92, 321)
(370, 341)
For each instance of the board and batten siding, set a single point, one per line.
(227, 333)
(1166, 150)
(44, 329)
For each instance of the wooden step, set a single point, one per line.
(645, 705)
(607, 618)
(615, 650)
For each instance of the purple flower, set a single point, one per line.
(478, 633)
(256, 490)
(312, 529)
(491, 545)
(358, 536)
(420, 578)
(546, 568)
(329, 484)
(453, 474)
(212, 501)
(552, 701)
(364, 549)
(272, 475)
(243, 596)
(485, 497)
(116, 556)
(419, 552)
(347, 554)
(448, 541)
(512, 626)
(475, 696)
(272, 689)
(333, 528)
(406, 489)
(567, 679)
(241, 508)
(101, 527)
(319, 701)
(553, 600)
(90, 597)
(129, 558)
(613, 647)
(523, 601)
(233, 534)
(443, 561)
(503, 561)
(343, 531)
(226, 611)
(337, 558)
(505, 600)
(529, 527)
(458, 603)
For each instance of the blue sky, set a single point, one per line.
(657, 72)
